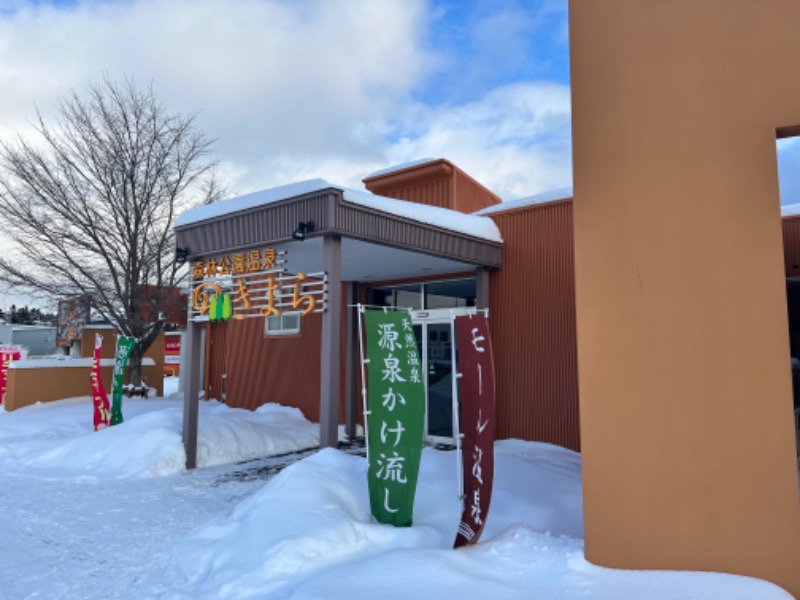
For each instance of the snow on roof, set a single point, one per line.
(400, 167)
(543, 198)
(481, 227)
(790, 210)
(477, 226)
(240, 203)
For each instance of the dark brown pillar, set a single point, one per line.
(191, 392)
(350, 398)
(331, 339)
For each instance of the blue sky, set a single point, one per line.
(316, 88)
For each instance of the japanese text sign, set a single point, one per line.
(477, 423)
(253, 284)
(396, 398)
(242, 263)
(102, 412)
(124, 349)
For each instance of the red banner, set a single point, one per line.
(102, 409)
(172, 344)
(7, 354)
(477, 422)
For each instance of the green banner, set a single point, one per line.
(124, 349)
(396, 399)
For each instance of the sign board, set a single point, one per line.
(253, 284)
(477, 423)
(102, 408)
(8, 354)
(396, 400)
(73, 315)
(125, 347)
(172, 353)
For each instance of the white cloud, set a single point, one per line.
(516, 140)
(299, 77)
(291, 90)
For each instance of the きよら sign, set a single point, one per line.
(253, 284)
(396, 403)
(477, 423)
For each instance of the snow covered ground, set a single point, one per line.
(112, 514)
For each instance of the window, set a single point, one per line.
(401, 296)
(283, 324)
(452, 293)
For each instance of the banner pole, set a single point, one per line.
(456, 411)
(363, 378)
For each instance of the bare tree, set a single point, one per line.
(90, 206)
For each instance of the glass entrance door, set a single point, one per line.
(439, 374)
(435, 343)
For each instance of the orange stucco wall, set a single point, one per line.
(27, 386)
(685, 390)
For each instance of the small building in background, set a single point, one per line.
(39, 340)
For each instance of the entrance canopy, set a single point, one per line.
(346, 235)
(382, 238)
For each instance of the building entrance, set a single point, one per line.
(434, 334)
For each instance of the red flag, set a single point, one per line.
(477, 422)
(7, 354)
(102, 409)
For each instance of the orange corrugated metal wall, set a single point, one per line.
(532, 302)
(283, 369)
(434, 192)
(470, 196)
(216, 352)
(260, 368)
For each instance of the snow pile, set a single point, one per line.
(57, 440)
(308, 534)
(400, 167)
(537, 199)
(112, 514)
(474, 225)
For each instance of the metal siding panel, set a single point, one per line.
(216, 352)
(246, 229)
(533, 327)
(283, 369)
(471, 196)
(355, 221)
(275, 222)
(433, 192)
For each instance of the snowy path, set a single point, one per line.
(69, 539)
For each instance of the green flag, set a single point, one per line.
(396, 415)
(124, 349)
